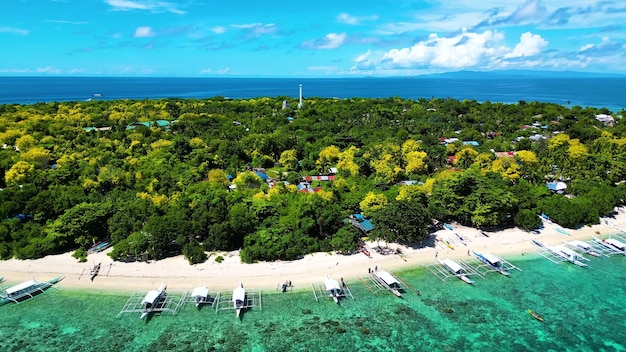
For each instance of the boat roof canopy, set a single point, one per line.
(152, 296)
(491, 258)
(387, 278)
(452, 265)
(20, 287)
(581, 244)
(200, 292)
(239, 294)
(331, 284)
(567, 251)
(616, 243)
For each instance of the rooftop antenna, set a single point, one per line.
(300, 103)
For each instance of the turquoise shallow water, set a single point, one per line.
(584, 311)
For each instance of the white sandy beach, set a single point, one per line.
(179, 275)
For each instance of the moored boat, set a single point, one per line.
(494, 262)
(390, 281)
(333, 289)
(26, 290)
(583, 247)
(94, 271)
(200, 295)
(239, 299)
(568, 255)
(151, 300)
(456, 269)
(612, 244)
(536, 315)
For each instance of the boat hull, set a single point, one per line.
(535, 315)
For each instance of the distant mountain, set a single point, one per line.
(522, 73)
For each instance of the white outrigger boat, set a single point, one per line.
(390, 281)
(26, 290)
(612, 244)
(239, 299)
(493, 261)
(200, 295)
(583, 247)
(568, 255)
(333, 289)
(455, 269)
(151, 301)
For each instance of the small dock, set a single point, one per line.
(469, 269)
(224, 301)
(170, 304)
(319, 291)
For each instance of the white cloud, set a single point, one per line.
(48, 69)
(354, 20)
(144, 31)
(330, 41)
(218, 30)
(221, 71)
(529, 45)
(13, 30)
(150, 5)
(463, 50)
(66, 22)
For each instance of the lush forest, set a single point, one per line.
(164, 177)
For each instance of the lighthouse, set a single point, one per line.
(300, 103)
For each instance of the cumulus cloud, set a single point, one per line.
(13, 30)
(529, 45)
(461, 51)
(354, 20)
(329, 41)
(144, 31)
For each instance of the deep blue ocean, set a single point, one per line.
(586, 92)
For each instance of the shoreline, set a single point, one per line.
(178, 274)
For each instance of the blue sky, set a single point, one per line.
(197, 38)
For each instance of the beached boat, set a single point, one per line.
(568, 255)
(583, 247)
(94, 271)
(537, 243)
(151, 300)
(333, 289)
(612, 244)
(390, 281)
(239, 299)
(1, 278)
(536, 315)
(455, 269)
(494, 262)
(26, 290)
(200, 295)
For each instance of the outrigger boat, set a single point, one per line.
(536, 315)
(151, 301)
(239, 299)
(200, 295)
(568, 255)
(25, 290)
(583, 247)
(94, 271)
(455, 269)
(389, 281)
(493, 261)
(612, 244)
(333, 289)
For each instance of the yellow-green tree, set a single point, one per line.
(247, 179)
(415, 162)
(507, 167)
(289, 159)
(19, 173)
(327, 158)
(36, 155)
(218, 177)
(373, 202)
(465, 157)
(25, 142)
(346, 161)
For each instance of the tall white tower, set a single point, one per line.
(300, 103)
